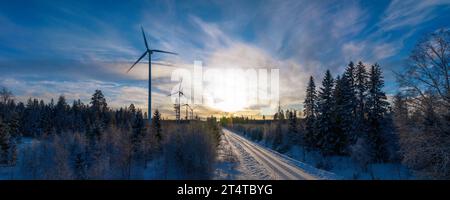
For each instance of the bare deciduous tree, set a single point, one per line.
(428, 68)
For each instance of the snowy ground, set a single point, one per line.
(346, 168)
(240, 159)
(11, 172)
(256, 162)
(227, 164)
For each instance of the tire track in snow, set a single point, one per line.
(248, 161)
(276, 163)
(279, 166)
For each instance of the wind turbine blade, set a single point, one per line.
(163, 64)
(145, 39)
(161, 51)
(145, 53)
(172, 94)
(179, 87)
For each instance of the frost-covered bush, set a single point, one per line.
(360, 152)
(190, 150)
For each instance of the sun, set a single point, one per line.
(227, 92)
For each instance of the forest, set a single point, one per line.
(96, 142)
(350, 115)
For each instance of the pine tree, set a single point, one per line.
(99, 107)
(293, 128)
(340, 124)
(5, 143)
(137, 137)
(278, 138)
(349, 104)
(324, 123)
(361, 77)
(77, 116)
(61, 114)
(46, 121)
(377, 107)
(156, 126)
(310, 111)
(80, 167)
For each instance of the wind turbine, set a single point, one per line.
(192, 108)
(149, 52)
(178, 106)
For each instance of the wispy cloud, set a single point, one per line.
(410, 13)
(82, 48)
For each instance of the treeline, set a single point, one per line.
(37, 118)
(40, 120)
(94, 141)
(350, 115)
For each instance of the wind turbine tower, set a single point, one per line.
(177, 106)
(149, 52)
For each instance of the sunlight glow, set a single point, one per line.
(227, 90)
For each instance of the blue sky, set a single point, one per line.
(48, 48)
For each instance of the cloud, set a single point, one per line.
(410, 13)
(81, 50)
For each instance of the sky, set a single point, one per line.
(71, 48)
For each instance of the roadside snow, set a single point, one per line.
(11, 172)
(346, 168)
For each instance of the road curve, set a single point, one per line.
(276, 166)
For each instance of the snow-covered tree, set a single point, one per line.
(361, 77)
(5, 145)
(293, 137)
(61, 116)
(98, 102)
(5, 96)
(426, 85)
(156, 126)
(340, 123)
(376, 107)
(310, 112)
(348, 106)
(278, 138)
(324, 123)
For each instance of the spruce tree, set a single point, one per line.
(340, 124)
(361, 77)
(278, 138)
(349, 104)
(293, 128)
(5, 145)
(80, 167)
(310, 111)
(137, 137)
(98, 113)
(156, 126)
(324, 123)
(61, 114)
(98, 101)
(377, 107)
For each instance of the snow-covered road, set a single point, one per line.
(264, 163)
